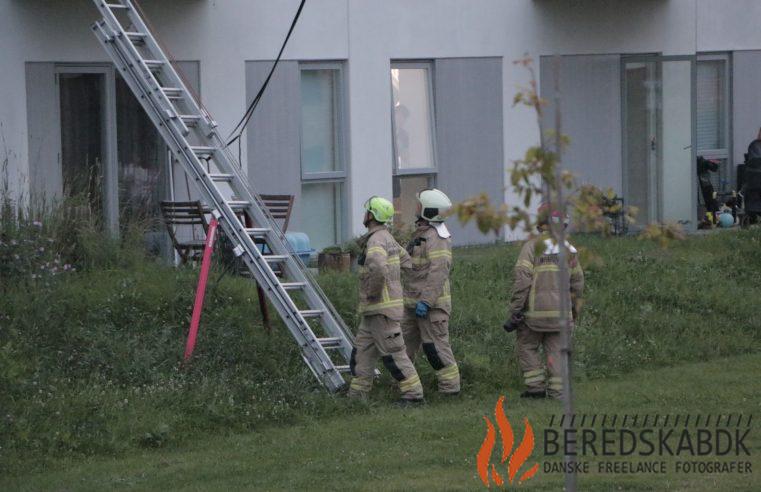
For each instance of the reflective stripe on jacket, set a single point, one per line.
(380, 287)
(536, 288)
(427, 276)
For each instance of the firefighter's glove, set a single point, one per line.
(421, 310)
(512, 324)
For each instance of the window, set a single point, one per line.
(143, 161)
(110, 151)
(712, 114)
(412, 120)
(322, 153)
(81, 99)
(322, 212)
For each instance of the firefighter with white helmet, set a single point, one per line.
(535, 306)
(381, 307)
(427, 293)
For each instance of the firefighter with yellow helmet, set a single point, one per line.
(381, 307)
(535, 307)
(427, 294)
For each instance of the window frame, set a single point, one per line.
(339, 125)
(428, 66)
(341, 141)
(724, 152)
(108, 136)
(339, 214)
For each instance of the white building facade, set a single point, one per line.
(386, 98)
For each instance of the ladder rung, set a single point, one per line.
(172, 92)
(343, 368)
(293, 285)
(154, 63)
(257, 231)
(190, 119)
(200, 150)
(238, 203)
(312, 313)
(135, 36)
(330, 342)
(116, 6)
(275, 258)
(221, 177)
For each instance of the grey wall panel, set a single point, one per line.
(468, 106)
(746, 101)
(44, 129)
(183, 186)
(274, 149)
(590, 88)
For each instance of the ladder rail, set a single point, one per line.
(313, 292)
(257, 264)
(157, 51)
(144, 82)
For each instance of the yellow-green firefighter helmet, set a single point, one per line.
(434, 204)
(380, 208)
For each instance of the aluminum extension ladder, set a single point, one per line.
(194, 140)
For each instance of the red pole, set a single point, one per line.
(201, 289)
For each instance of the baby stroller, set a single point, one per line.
(705, 168)
(749, 184)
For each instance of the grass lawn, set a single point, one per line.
(92, 394)
(427, 448)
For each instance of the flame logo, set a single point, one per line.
(516, 459)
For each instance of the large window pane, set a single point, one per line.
(143, 170)
(321, 213)
(319, 121)
(640, 167)
(413, 129)
(81, 96)
(406, 189)
(711, 105)
(678, 166)
(142, 159)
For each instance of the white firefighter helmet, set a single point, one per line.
(434, 204)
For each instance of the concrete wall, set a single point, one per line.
(590, 89)
(469, 133)
(274, 164)
(223, 35)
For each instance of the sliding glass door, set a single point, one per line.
(112, 157)
(658, 134)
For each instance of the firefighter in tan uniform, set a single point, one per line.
(381, 306)
(427, 295)
(535, 308)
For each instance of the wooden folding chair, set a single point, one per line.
(280, 207)
(187, 226)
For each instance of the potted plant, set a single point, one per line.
(334, 258)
